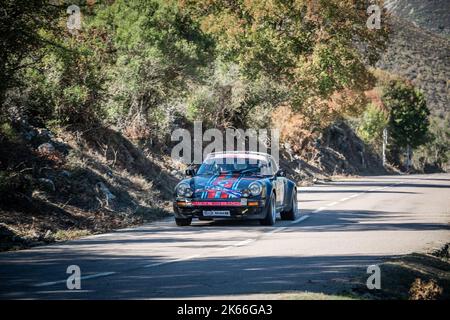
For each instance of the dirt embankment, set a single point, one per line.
(65, 184)
(339, 151)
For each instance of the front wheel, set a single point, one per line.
(292, 212)
(271, 213)
(182, 222)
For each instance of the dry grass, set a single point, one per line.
(416, 276)
(425, 290)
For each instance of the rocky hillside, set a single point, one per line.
(61, 184)
(432, 15)
(419, 49)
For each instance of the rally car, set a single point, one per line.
(235, 185)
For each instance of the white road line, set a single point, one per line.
(243, 243)
(332, 204)
(300, 219)
(276, 230)
(354, 196)
(303, 218)
(239, 244)
(172, 261)
(92, 276)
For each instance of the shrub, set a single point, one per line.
(425, 290)
(372, 124)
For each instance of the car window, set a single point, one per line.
(234, 165)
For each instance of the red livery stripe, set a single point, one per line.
(211, 194)
(217, 204)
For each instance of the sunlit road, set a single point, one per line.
(342, 228)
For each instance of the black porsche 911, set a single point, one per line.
(236, 185)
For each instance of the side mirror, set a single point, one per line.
(280, 173)
(190, 172)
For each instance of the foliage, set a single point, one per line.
(133, 59)
(158, 53)
(309, 46)
(408, 119)
(372, 124)
(25, 27)
(226, 98)
(437, 151)
(293, 132)
(59, 72)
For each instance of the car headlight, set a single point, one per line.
(184, 190)
(255, 188)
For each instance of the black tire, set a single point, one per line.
(291, 214)
(182, 222)
(270, 218)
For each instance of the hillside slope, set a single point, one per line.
(64, 184)
(432, 15)
(423, 58)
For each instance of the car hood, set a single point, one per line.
(224, 186)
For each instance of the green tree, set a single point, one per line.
(373, 122)
(159, 52)
(26, 26)
(408, 119)
(317, 49)
(436, 151)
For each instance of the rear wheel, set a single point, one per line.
(271, 213)
(182, 222)
(292, 213)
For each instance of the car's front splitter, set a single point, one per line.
(249, 209)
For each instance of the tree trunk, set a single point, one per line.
(408, 157)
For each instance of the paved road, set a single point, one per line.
(343, 227)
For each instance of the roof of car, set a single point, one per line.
(240, 154)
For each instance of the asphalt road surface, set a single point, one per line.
(343, 227)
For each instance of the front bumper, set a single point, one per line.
(239, 208)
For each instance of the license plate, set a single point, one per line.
(216, 213)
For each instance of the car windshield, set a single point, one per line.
(234, 165)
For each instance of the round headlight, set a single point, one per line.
(255, 188)
(184, 190)
(188, 193)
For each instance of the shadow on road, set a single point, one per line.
(360, 220)
(219, 276)
(209, 276)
